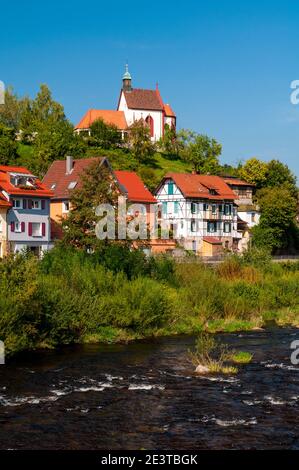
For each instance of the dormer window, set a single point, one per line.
(213, 192)
(72, 184)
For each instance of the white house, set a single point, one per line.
(134, 104)
(200, 210)
(28, 219)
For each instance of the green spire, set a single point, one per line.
(126, 75)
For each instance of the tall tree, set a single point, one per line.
(139, 140)
(254, 171)
(98, 187)
(54, 141)
(8, 146)
(278, 212)
(201, 151)
(104, 135)
(279, 174)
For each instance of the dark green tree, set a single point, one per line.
(105, 136)
(8, 146)
(278, 212)
(98, 187)
(278, 174)
(139, 141)
(201, 151)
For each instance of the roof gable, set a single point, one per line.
(202, 186)
(117, 118)
(39, 188)
(139, 98)
(134, 186)
(56, 175)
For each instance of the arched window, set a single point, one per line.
(150, 122)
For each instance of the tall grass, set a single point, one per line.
(71, 296)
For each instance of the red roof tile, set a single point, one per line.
(41, 190)
(4, 202)
(56, 175)
(109, 117)
(231, 180)
(138, 98)
(199, 186)
(168, 111)
(212, 240)
(134, 186)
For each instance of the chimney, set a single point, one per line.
(69, 164)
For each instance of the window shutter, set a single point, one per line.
(29, 203)
(30, 229)
(12, 226)
(43, 204)
(24, 203)
(22, 226)
(43, 229)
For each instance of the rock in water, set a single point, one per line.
(202, 369)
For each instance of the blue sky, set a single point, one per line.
(224, 66)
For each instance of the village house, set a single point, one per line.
(201, 211)
(27, 224)
(65, 175)
(4, 207)
(248, 211)
(134, 104)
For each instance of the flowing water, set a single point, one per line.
(145, 396)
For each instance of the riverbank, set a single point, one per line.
(118, 295)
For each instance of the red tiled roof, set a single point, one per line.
(57, 175)
(4, 202)
(134, 186)
(198, 186)
(231, 180)
(138, 98)
(41, 190)
(168, 111)
(109, 117)
(212, 240)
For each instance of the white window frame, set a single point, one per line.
(225, 224)
(18, 227)
(64, 210)
(14, 203)
(40, 229)
(34, 201)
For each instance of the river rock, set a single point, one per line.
(200, 369)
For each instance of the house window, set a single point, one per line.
(206, 207)
(65, 206)
(213, 208)
(170, 189)
(193, 225)
(35, 204)
(212, 227)
(150, 122)
(176, 207)
(72, 184)
(193, 208)
(53, 186)
(227, 209)
(164, 207)
(18, 227)
(16, 203)
(227, 227)
(36, 229)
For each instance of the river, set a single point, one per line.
(145, 396)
